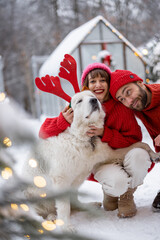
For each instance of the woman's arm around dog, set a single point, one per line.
(54, 126)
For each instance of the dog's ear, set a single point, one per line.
(84, 88)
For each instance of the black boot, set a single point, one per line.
(156, 203)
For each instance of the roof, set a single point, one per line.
(72, 41)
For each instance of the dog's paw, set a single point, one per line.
(155, 157)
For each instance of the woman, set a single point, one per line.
(120, 130)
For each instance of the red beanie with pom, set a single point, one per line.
(120, 78)
(93, 66)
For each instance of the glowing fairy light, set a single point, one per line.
(39, 181)
(136, 54)
(27, 236)
(2, 96)
(145, 51)
(59, 222)
(7, 142)
(94, 57)
(6, 173)
(32, 163)
(24, 207)
(120, 36)
(147, 80)
(48, 225)
(40, 231)
(43, 195)
(14, 206)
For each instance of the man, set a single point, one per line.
(144, 100)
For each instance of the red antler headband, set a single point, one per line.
(68, 71)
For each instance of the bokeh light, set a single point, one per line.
(59, 222)
(43, 195)
(6, 173)
(32, 163)
(14, 206)
(24, 207)
(27, 236)
(40, 231)
(48, 225)
(94, 57)
(39, 181)
(2, 96)
(145, 51)
(7, 142)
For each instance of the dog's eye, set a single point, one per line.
(79, 101)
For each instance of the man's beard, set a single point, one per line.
(142, 98)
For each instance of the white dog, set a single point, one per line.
(67, 159)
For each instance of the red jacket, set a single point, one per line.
(150, 116)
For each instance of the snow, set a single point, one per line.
(144, 226)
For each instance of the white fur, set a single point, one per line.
(67, 159)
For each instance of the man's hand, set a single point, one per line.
(157, 141)
(94, 131)
(68, 114)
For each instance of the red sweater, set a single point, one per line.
(120, 130)
(150, 116)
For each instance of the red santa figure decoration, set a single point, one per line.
(104, 56)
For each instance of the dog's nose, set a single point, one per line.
(93, 101)
(94, 104)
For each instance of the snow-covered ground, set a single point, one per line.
(144, 226)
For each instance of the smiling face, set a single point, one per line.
(133, 95)
(99, 86)
(98, 81)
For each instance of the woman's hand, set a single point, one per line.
(157, 140)
(94, 131)
(68, 114)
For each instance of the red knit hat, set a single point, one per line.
(93, 66)
(119, 78)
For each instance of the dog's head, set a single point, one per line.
(87, 110)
